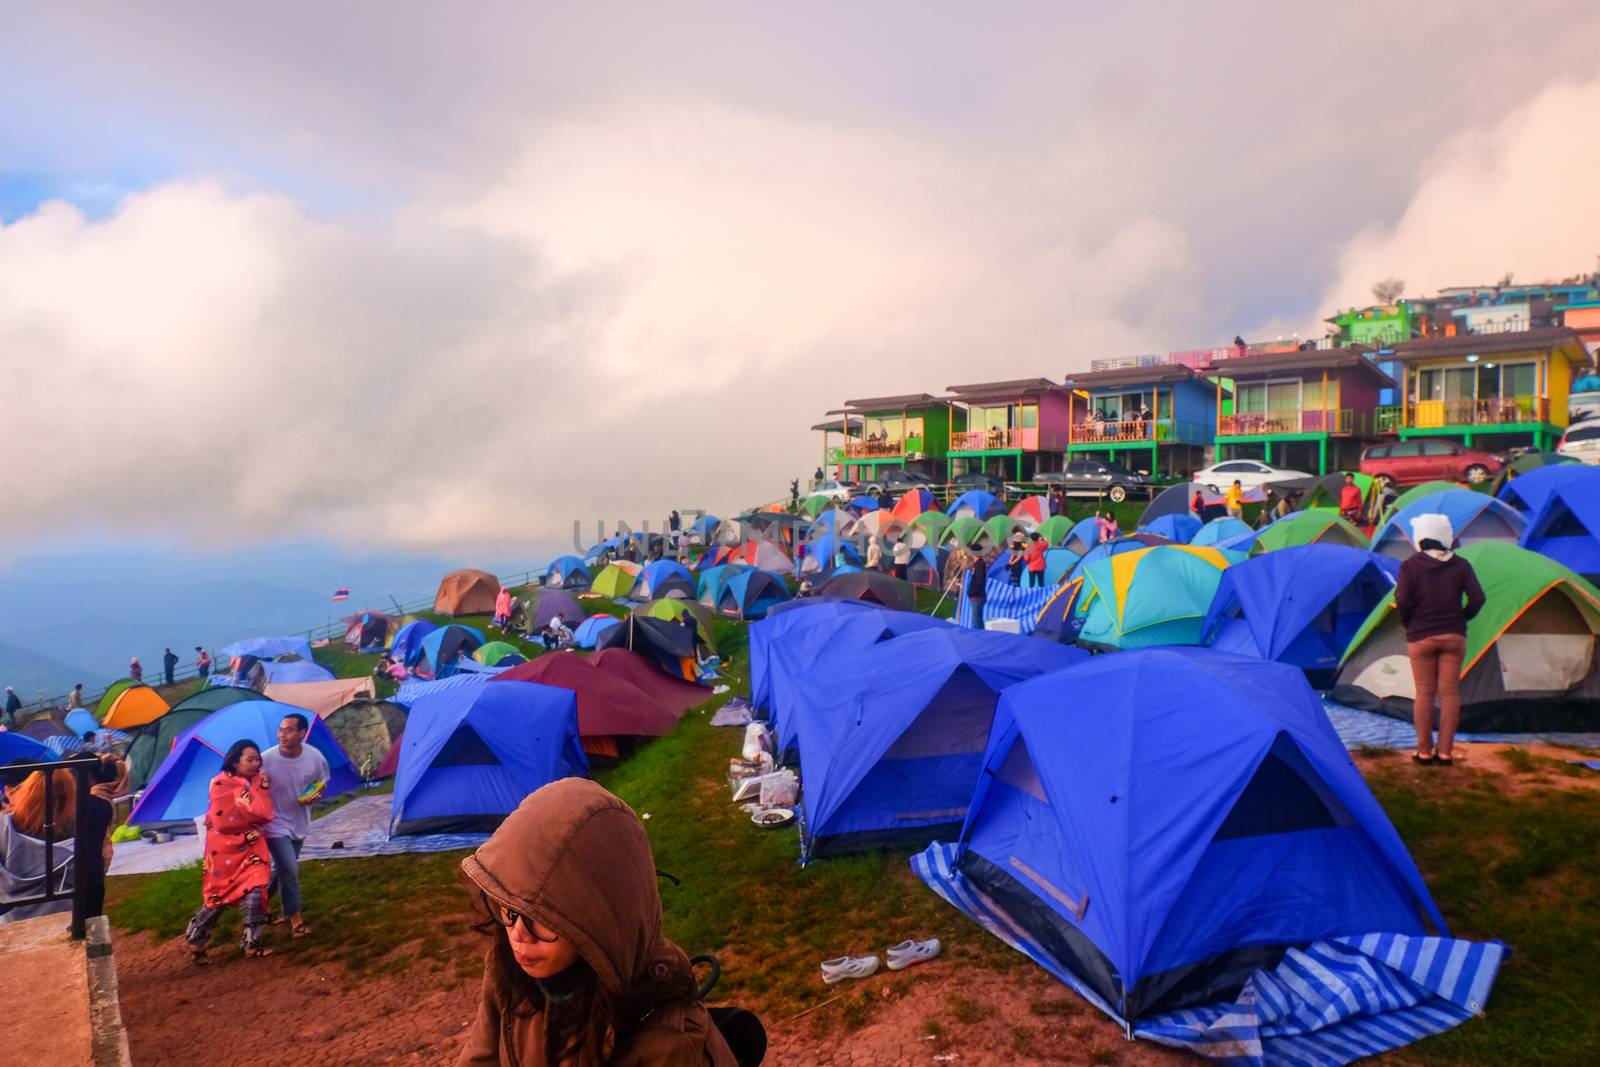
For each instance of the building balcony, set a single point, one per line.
(1030, 439)
(874, 449)
(1266, 423)
(1434, 414)
(1136, 431)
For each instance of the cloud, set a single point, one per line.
(1515, 195)
(645, 310)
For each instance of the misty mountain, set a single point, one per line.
(28, 672)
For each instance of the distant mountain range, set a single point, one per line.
(29, 672)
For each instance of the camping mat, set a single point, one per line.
(361, 828)
(1328, 1004)
(1368, 729)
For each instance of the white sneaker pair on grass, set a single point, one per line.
(900, 957)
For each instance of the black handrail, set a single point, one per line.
(81, 769)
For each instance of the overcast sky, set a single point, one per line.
(373, 272)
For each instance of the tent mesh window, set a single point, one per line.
(465, 748)
(1562, 523)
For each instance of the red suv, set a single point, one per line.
(1415, 462)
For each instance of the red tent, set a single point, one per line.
(608, 704)
(674, 693)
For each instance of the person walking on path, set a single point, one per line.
(978, 588)
(13, 705)
(1233, 500)
(578, 970)
(1436, 595)
(236, 864)
(1350, 500)
(1034, 558)
(902, 559)
(502, 610)
(202, 663)
(299, 774)
(75, 698)
(169, 664)
(135, 669)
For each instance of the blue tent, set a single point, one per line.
(180, 786)
(892, 734)
(1178, 527)
(407, 643)
(1106, 549)
(776, 629)
(1057, 562)
(863, 504)
(443, 646)
(1085, 534)
(1157, 596)
(414, 689)
(664, 577)
(81, 721)
(751, 594)
(590, 629)
(976, 503)
(296, 671)
(1566, 525)
(1059, 619)
(1300, 605)
(15, 745)
(568, 572)
(705, 526)
(708, 588)
(1473, 516)
(1527, 492)
(925, 502)
(610, 544)
(1192, 818)
(269, 647)
(1223, 533)
(827, 523)
(821, 554)
(470, 755)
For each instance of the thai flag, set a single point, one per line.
(341, 594)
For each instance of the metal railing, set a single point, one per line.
(1016, 439)
(1250, 423)
(1497, 411)
(82, 887)
(874, 449)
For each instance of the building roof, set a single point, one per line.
(1124, 376)
(1485, 344)
(1300, 361)
(979, 392)
(888, 403)
(837, 426)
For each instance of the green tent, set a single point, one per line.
(1316, 527)
(1530, 661)
(1325, 494)
(1416, 492)
(152, 742)
(616, 581)
(216, 696)
(1002, 528)
(964, 532)
(109, 697)
(1055, 530)
(672, 609)
(930, 527)
(495, 651)
(816, 505)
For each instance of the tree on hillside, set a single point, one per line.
(1388, 290)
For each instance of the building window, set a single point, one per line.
(1030, 416)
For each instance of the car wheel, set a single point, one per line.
(1118, 493)
(1477, 474)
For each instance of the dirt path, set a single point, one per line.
(42, 966)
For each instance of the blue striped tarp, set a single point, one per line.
(411, 692)
(1330, 1003)
(1006, 601)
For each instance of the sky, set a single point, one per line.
(382, 278)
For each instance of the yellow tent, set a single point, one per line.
(134, 706)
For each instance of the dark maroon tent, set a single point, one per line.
(675, 693)
(608, 704)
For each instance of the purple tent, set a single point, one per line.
(551, 602)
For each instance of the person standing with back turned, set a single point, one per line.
(299, 774)
(1438, 592)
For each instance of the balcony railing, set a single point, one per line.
(874, 449)
(1389, 418)
(1030, 439)
(1137, 430)
(1499, 411)
(1254, 423)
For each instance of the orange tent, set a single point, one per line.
(467, 592)
(134, 706)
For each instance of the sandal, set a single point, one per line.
(1444, 761)
(199, 958)
(256, 953)
(1426, 761)
(300, 930)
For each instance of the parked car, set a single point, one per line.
(1249, 473)
(1582, 442)
(896, 480)
(838, 490)
(1415, 462)
(1090, 477)
(989, 483)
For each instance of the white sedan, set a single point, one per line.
(1249, 473)
(1582, 441)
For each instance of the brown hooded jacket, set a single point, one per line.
(576, 858)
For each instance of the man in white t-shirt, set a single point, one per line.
(902, 558)
(297, 775)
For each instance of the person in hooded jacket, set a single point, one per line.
(579, 972)
(1437, 593)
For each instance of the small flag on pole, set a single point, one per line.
(341, 594)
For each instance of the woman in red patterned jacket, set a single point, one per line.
(237, 865)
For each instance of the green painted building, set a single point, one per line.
(877, 433)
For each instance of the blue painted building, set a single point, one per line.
(1157, 419)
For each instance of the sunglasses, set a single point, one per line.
(508, 918)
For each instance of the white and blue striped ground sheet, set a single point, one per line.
(1006, 601)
